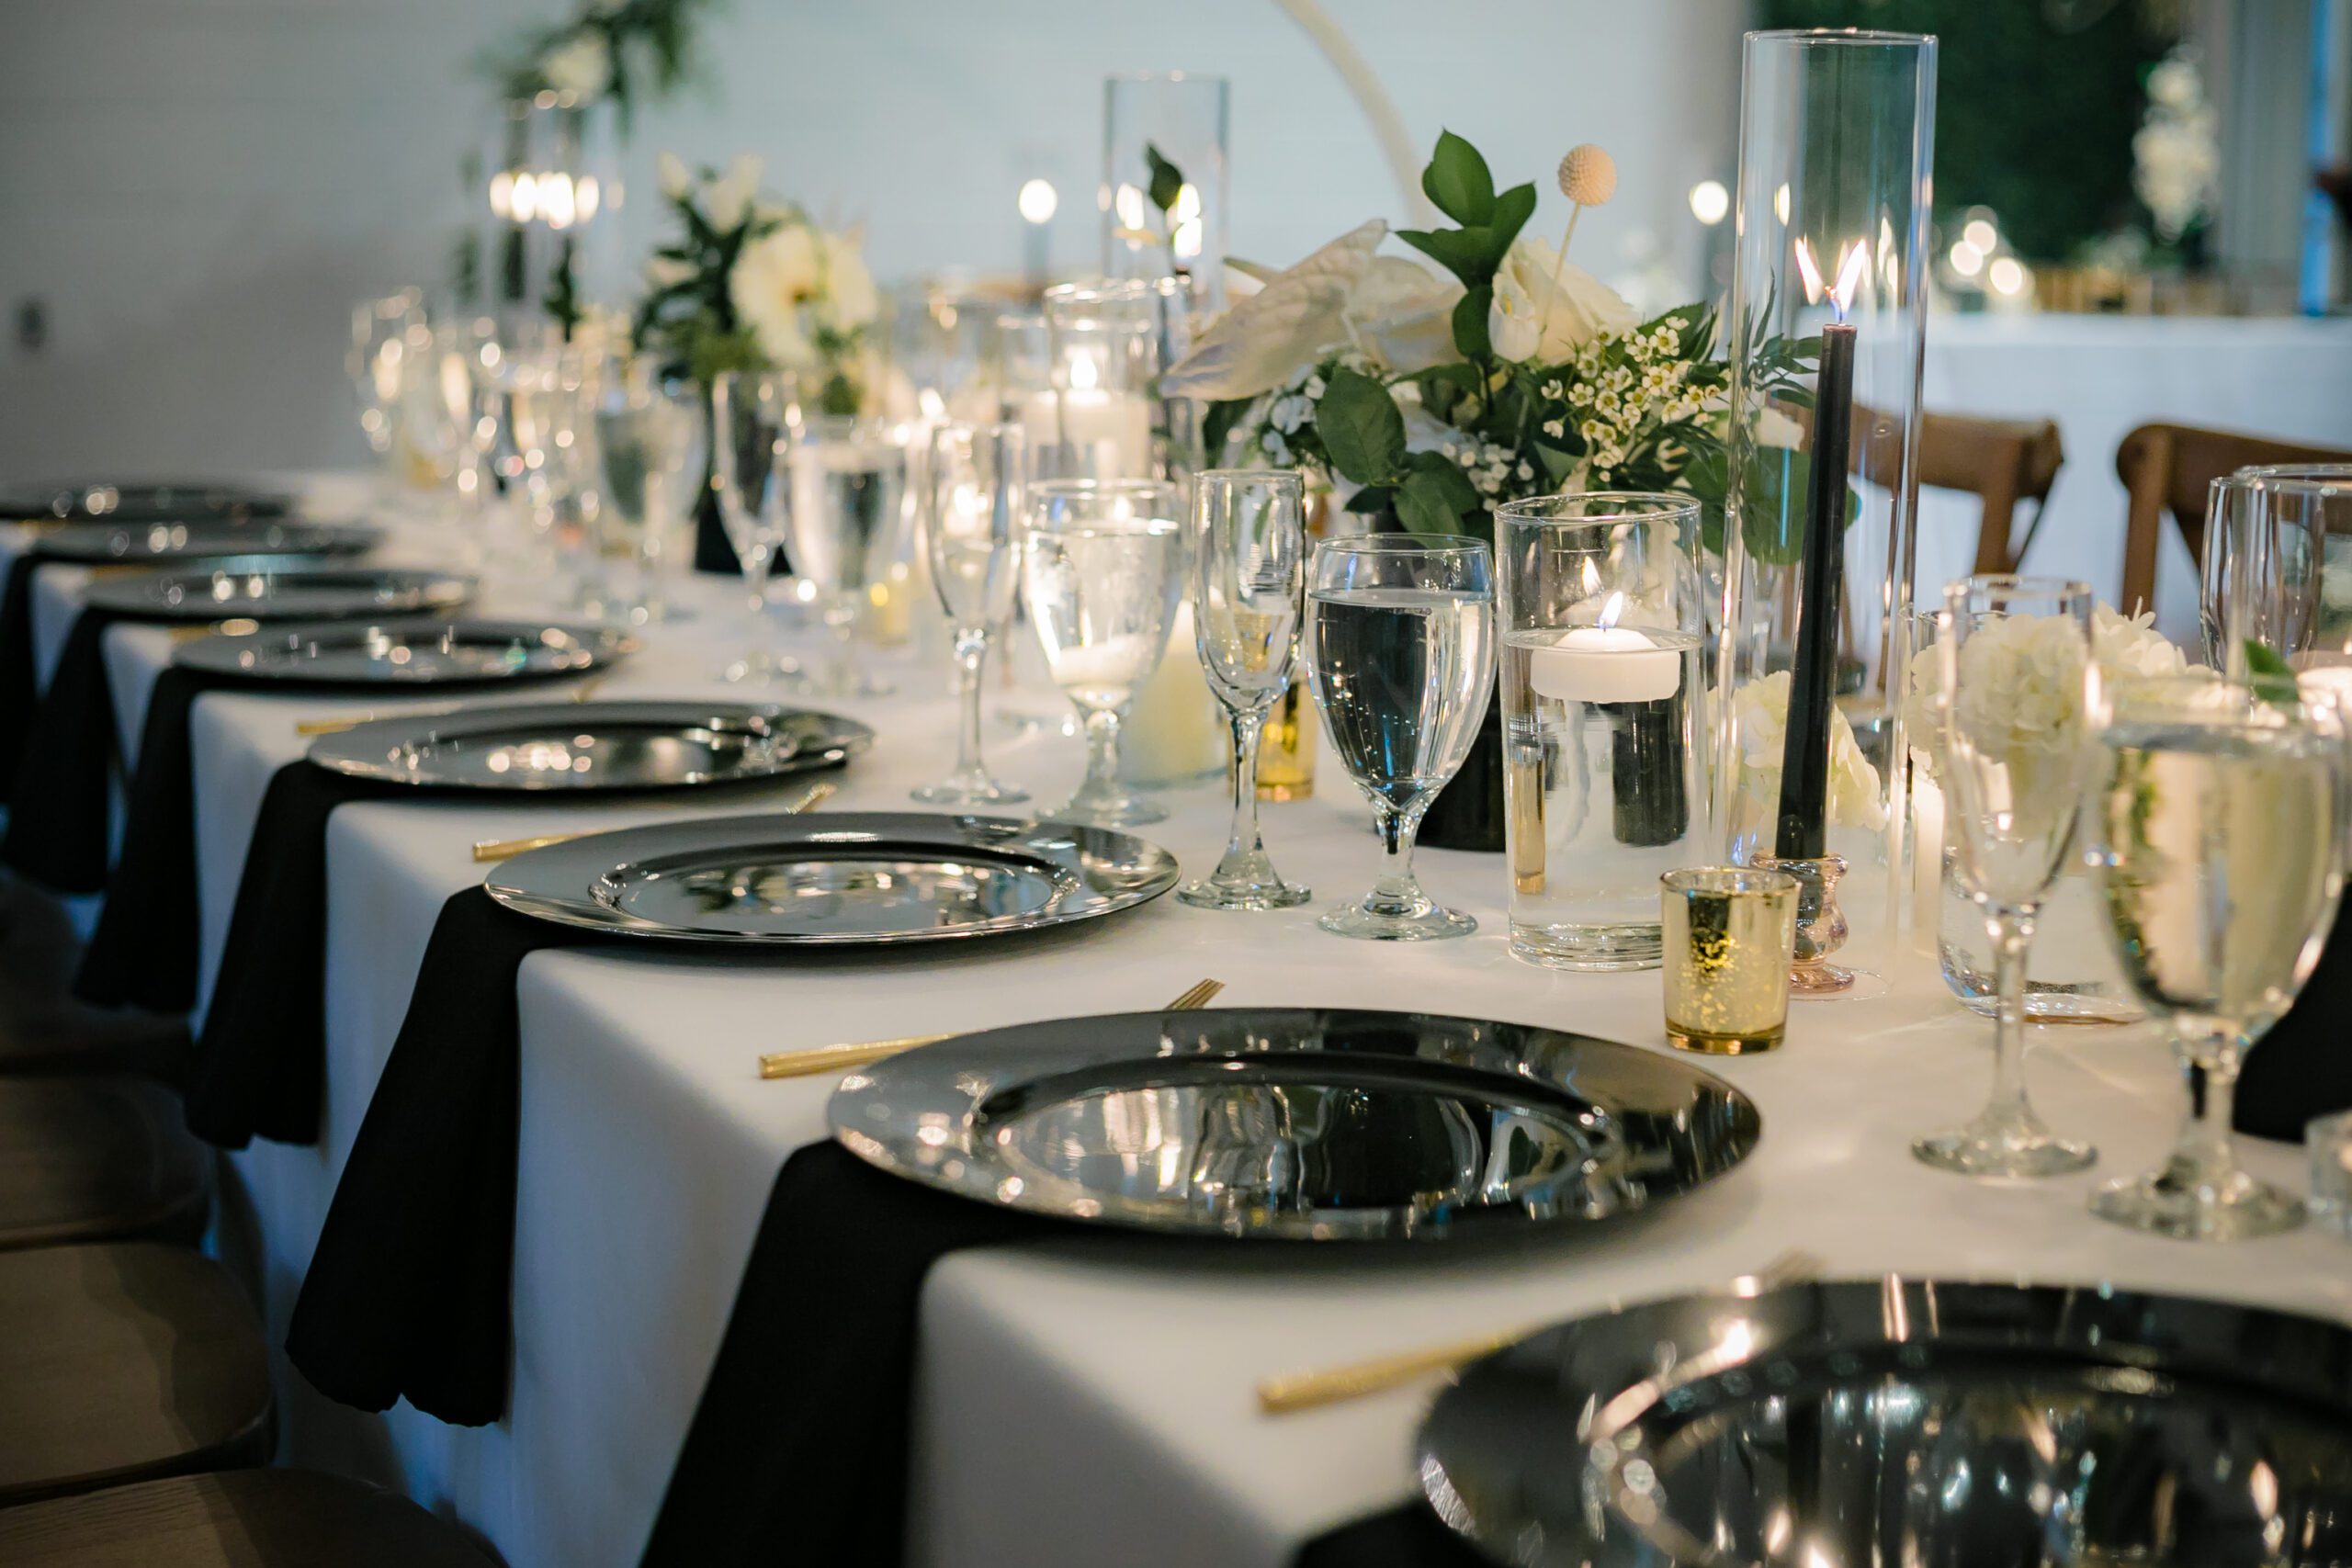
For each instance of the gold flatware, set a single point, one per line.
(507, 849)
(1295, 1392)
(840, 1058)
(579, 693)
(235, 626)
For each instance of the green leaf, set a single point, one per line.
(1470, 323)
(1372, 500)
(1360, 427)
(1512, 209)
(1466, 253)
(1458, 181)
(1771, 519)
(1218, 425)
(1167, 179)
(1452, 483)
(2270, 676)
(1423, 507)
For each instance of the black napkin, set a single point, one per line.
(2303, 1067)
(57, 808)
(1410, 1536)
(801, 1435)
(259, 1063)
(145, 947)
(19, 681)
(407, 1293)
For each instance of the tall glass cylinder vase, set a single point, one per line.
(1095, 418)
(1826, 328)
(553, 240)
(1165, 170)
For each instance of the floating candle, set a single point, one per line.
(1605, 663)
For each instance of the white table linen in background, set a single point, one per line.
(1078, 1403)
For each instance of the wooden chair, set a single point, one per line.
(2169, 467)
(123, 1363)
(242, 1518)
(2000, 461)
(98, 1160)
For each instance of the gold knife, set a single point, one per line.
(840, 1058)
(579, 693)
(486, 849)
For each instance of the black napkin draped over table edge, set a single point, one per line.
(20, 677)
(57, 794)
(1406, 1537)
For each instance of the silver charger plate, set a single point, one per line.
(1905, 1420)
(1297, 1124)
(101, 543)
(146, 501)
(270, 588)
(422, 652)
(835, 878)
(583, 747)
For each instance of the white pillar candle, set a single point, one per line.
(1172, 734)
(1926, 857)
(1107, 434)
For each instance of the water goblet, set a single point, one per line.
(2017, 692)
(1401, 629)
(2221, 819)
(752, 415)
(972, 511)
(1249, 587)
(650, 439)
(849, 480)
(1100, 575)
(2276, 540)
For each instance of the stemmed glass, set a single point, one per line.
(1249, 583)
(1401, 630)
(1100, 575)
(2016, 694)
(2221, 820)
(382, 332)
(849, 479)
(650, 438)
(2273, 537)
(972, 505)
(751, 425)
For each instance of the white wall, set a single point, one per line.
(198, 189)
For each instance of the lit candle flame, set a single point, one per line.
(1852, 261)
(1611, 608)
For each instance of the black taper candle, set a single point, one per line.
(1804, 755)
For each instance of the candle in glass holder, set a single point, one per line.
(1729, 934)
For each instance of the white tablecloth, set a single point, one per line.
(1079, 1404)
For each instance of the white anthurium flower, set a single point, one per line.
(728, 201)
(851, 297)
(670, 174)
(582, 67)
(1774, 428)
(1536, 317)
(1264, 339)
(665, 272)
(775, 276)
(1404, 312)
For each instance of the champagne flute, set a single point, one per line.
(1100, 576)
(972, 531)
(2015, 695)
(1402, 633)
(849, 481)
(751, 424)
(2221, 817)
(649, 437)
(1249, 582)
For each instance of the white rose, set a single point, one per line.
(582, 67)
(849, 295)
(1534, 317)
(728, 202)
(1760, 714)
(669, 172)
(774, 275)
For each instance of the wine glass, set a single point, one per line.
(751, 416)
(2275, 537)
(649, 440)
(2220, 815)
(2016, 696)
(849, 480)
(1100, 575)
(1248, 584)
(972, 531)
(381, 332)
(1401, 629)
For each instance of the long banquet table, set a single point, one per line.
(1079, 1401)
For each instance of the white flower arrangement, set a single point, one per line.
(2021, 678)
(2176, 153)
(1760, 719)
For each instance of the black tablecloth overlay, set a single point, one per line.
(407, 1294)
(20, 677)
(1408, 1537)
(799, 1445)
(2303, 1067)
(260, 1061)
(57, 802)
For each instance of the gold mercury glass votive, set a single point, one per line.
(1728, 934)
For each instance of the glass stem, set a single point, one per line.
(1103, 748)
(757, 563)
(2203, 1153)
(971, 653)
(1245, 839)
(841, 619)
(1396, 892)
(2012, 935)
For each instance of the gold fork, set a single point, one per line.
(839, 1058)
(579, 693)
(235, 626)
(506, 849)
(1295, 1392)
